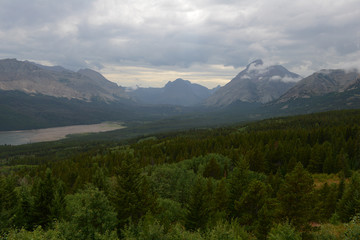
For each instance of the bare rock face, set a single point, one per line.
(33, 78)
(321, 83)
(255, 84)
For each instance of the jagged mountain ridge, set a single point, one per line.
(32, 78)
(257, 83)
(321, 83)
(179, 92)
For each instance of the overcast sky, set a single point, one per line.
(150, 42)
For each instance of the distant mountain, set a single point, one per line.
(32, 78)
(255, 84)
(322, 83)
(179, 92)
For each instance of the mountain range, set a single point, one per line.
(322, 83)
(256, 83)
(56, 81)
(179, 92)
(37, 96)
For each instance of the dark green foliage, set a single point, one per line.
(251, 202)
(100, 180)
(227, 231)
(327, 199)
(198, 206)
(24, 209)
(221, 197)
(170, 212)
(296, 197)
(349, 204)
(213, 169)
(88, 213)
(146, 228)
(353, 229)
(48, 200)
(239, 180)
(284, 232)
(37, 234)
(131, 194)
(8, 202)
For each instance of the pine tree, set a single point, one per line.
(296, 197)
(48, 200)
(8, 202)
(24, 209)
(198, 209)
(100, 181)
(131, 194)
(326, 201)
(252, 201)
(213, 169)
(221, 196)
(349, 204)
(239, 180)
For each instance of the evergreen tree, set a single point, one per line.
(131, 194)
(296, 197)
(275, 181)
(100, 181)
(221, 196)
(24, 209)
(197, 208)
(343, 163)
(251, 202)
(256, 159)
(326, 202)
(48, 200)
(8, 202)
(341, 187)
(239, 180)
(349, 204)
(213, 169)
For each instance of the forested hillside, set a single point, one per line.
(283, 178)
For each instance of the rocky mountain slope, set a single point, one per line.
(321, 83)
(257, 83)
(179, 92)
(56, 81)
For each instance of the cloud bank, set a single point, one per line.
(181, 36)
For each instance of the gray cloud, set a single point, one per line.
(304, 36)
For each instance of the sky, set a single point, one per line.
(150, 42)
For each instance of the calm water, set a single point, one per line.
(52, 134)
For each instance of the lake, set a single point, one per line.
(53, 134)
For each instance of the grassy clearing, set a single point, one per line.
(321, 178)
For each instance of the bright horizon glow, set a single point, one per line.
(132, 76)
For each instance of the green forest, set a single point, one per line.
(282, 178)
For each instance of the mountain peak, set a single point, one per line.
(255, 63)
(56, 81)
(256, 83)
(179, 82)
(178, 92)
(320, 83)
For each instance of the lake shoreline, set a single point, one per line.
(20, 137)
